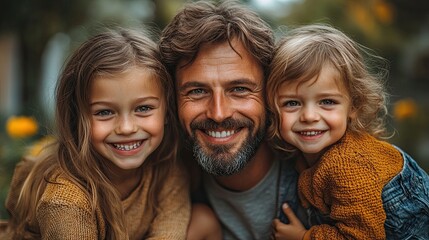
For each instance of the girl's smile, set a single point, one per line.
(127, 146)
(128, 114)
(314, 113)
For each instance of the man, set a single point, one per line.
(219, 57)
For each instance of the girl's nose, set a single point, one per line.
(126, 125)
(309, 114)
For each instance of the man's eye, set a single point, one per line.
(196, 91)
(103, 113)
(240, 89)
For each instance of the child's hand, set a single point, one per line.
(292, 231)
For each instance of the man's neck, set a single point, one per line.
(252, 174)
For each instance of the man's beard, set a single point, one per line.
(220, 162)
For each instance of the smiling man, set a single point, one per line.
(220, 102)
(219, 57)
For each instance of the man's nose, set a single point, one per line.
(220, 107)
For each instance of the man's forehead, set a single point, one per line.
(213, 50)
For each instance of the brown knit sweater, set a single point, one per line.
(64, 211)
(346, 184)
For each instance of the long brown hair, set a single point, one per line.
(111, 52)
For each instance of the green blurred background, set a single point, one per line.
(37, 36)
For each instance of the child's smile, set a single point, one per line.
(314, 113)
(128, 114)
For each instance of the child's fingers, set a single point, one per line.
(290, 214)
(293, 230)
(276, 222)
(276, 225)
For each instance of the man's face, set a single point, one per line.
(221, 106)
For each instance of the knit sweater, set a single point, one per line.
(346, 185)
(64, 212)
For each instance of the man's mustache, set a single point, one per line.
(229, 123)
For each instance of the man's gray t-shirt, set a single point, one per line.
(249, 214)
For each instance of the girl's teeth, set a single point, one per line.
(311, 133)
(127, 147)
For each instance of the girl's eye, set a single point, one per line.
(291, 103)
(144, 109)
(328, 102)
(103, 113)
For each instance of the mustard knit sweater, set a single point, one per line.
(64, 211)
(346, 184)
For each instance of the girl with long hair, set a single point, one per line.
(112, 171)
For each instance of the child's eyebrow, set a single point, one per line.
(321, 95)
(107, 102)
(329, 94)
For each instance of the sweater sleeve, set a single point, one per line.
(171, 221)
(21, 172)
(64, 213)
(351, 190)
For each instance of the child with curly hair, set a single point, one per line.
(329, 110)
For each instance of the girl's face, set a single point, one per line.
(314, 113)
(127, 117)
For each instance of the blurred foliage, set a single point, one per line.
(410, 120)
(21, 137)
(34, 23)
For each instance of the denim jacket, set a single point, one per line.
(288, 192)
(406, 202)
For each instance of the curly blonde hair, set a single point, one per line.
(304, 51)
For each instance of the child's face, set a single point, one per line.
(314, 113)
(127, 117)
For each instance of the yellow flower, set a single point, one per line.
(21, 126)
(405, 108)
(38, 147)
